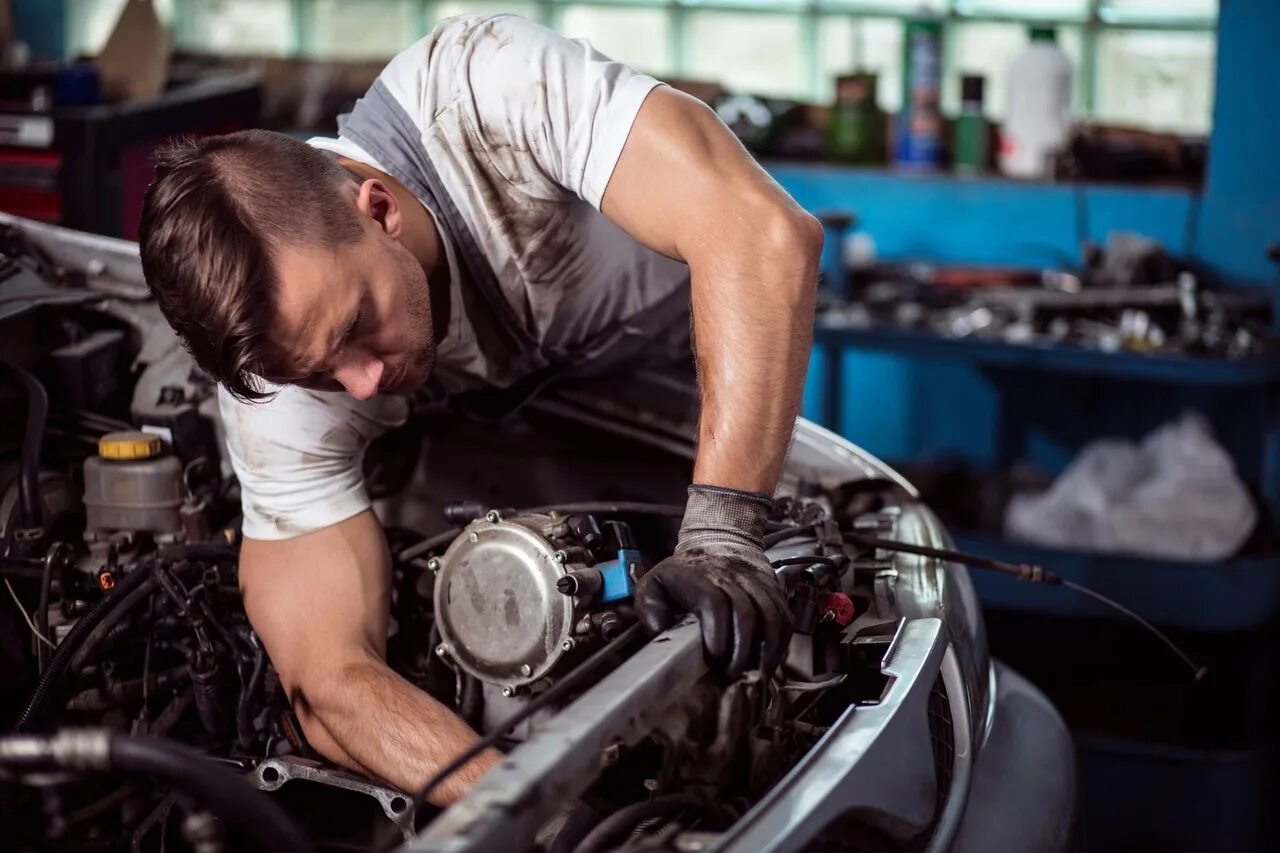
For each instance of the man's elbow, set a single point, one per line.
(793, 238)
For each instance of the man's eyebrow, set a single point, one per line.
(307, 367)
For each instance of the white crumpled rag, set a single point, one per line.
(1174, 495)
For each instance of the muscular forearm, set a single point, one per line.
(319, 603)
(753, 302)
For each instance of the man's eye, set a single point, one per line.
(352, 330)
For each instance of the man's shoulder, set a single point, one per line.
(332, 424)
(442, 64)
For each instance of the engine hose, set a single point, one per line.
(85, 625)
(32, 441)
(619, 824)
(249, 694)
(111, 620)
(186, 771)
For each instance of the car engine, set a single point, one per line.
(125, 625)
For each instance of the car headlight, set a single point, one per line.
(921, 586)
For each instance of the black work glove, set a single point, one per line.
(719, 571)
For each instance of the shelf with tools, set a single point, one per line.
(832, 334)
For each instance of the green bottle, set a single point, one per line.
(970, 141)
(857, 130)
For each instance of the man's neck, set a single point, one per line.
(421, 237)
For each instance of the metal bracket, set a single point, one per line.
(271, 775)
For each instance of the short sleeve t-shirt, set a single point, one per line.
(523, 128)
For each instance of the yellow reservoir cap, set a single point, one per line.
(130, 445)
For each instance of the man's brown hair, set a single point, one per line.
(217, 212)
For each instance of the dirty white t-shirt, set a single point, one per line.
(524, 129)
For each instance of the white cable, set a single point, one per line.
(41, 637)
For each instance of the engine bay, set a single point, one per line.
(149, 637)
(515, 551)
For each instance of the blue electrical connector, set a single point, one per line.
(616, 575)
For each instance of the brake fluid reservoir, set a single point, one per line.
(132, 484)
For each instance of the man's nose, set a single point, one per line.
(359, 372)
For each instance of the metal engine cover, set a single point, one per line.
(500, 616)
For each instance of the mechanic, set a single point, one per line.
(503, 208)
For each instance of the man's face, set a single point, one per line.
(355, 316)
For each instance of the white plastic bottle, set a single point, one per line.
(1038, 116)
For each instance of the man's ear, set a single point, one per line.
(376, 201)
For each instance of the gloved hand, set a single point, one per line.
(719, 571)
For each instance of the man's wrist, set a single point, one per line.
(717, 515)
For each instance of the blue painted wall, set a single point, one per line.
(987, 220)
(1242, 198)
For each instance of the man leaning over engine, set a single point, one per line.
(503, 206)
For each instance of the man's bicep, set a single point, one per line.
(683, 180)
(298, 457)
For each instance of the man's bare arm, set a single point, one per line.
(684, 186)
(319, 603)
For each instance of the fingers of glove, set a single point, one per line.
(745, 615)
(653, 606)
(667, 590)
(775, 620)
(715, 614)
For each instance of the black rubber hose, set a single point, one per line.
(32, 441)
(625, 819)
(215, 787)
(109, 622)
(248, 695)
(71, 643)
(186, 771)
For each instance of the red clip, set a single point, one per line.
(840, 608)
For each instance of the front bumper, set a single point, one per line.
(1023, 792)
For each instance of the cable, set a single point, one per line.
(1030, 574)
(569, 682)
(1021, 571)
(34, 630)
(1200, 671)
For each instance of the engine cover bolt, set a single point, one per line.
(526, 670)
(561, 556)
(493, 516)
(568, 644)
(508, 691)
(433, 564)
(442, 649)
